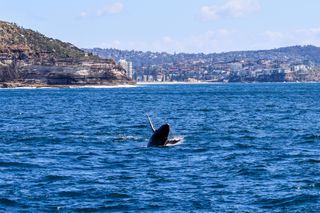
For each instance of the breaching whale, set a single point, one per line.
(160, 136)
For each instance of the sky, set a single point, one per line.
(190, 26)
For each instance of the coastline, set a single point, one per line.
(176, 82)
(18, 85)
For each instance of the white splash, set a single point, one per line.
(180, 138)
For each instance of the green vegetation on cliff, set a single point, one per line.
(15, 38)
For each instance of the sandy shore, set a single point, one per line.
(176, 82)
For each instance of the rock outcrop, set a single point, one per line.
(28, 57)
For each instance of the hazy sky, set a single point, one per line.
(171, 25)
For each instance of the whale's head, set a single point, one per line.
(164, 130)
(160, 136)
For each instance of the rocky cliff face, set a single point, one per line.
(28, 57)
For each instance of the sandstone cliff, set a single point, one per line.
(28, 57)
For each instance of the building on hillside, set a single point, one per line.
(127, 65)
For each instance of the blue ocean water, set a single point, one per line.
(246, 148)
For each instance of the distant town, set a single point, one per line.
(289, 64)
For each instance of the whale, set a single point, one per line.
(160, 136)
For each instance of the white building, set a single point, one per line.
(235, 66)
(300, 67)
(127, 65)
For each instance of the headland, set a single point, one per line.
(28, 58)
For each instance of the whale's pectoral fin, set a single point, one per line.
(151, 124)
(172, 141)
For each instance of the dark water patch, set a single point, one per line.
(313, 161)
(295, 200)
(68, 153)
(244, 145)
(71, 193)
(32, 138)
(311, 137)
(206, 129)
(8, 202)
(117, 195)
(252, 170)
(230, 157)
(205, 110)
(306, 185)
(85, 157)
(103, 132)
(18, 165)
(89, 209)
(200, 150)
(53, 178)
(201, 204)
(315, 185)
(114, 208)
(248, 137)
(217, 186)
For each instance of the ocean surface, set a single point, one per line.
(246, 148)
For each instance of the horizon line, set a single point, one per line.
(175, 52)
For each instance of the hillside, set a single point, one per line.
(13, 38)
(291, 64)
(308, 52)
(29, 57)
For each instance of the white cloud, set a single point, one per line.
(300, 36)
(209, 13)
(274, 35)
(114, 8)
(231, 8)
(83, 14)
(167, 40)
(313, 32)
(223, 40)
(113, 44)
(109, 9)
(239, 8)
(211, 41)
